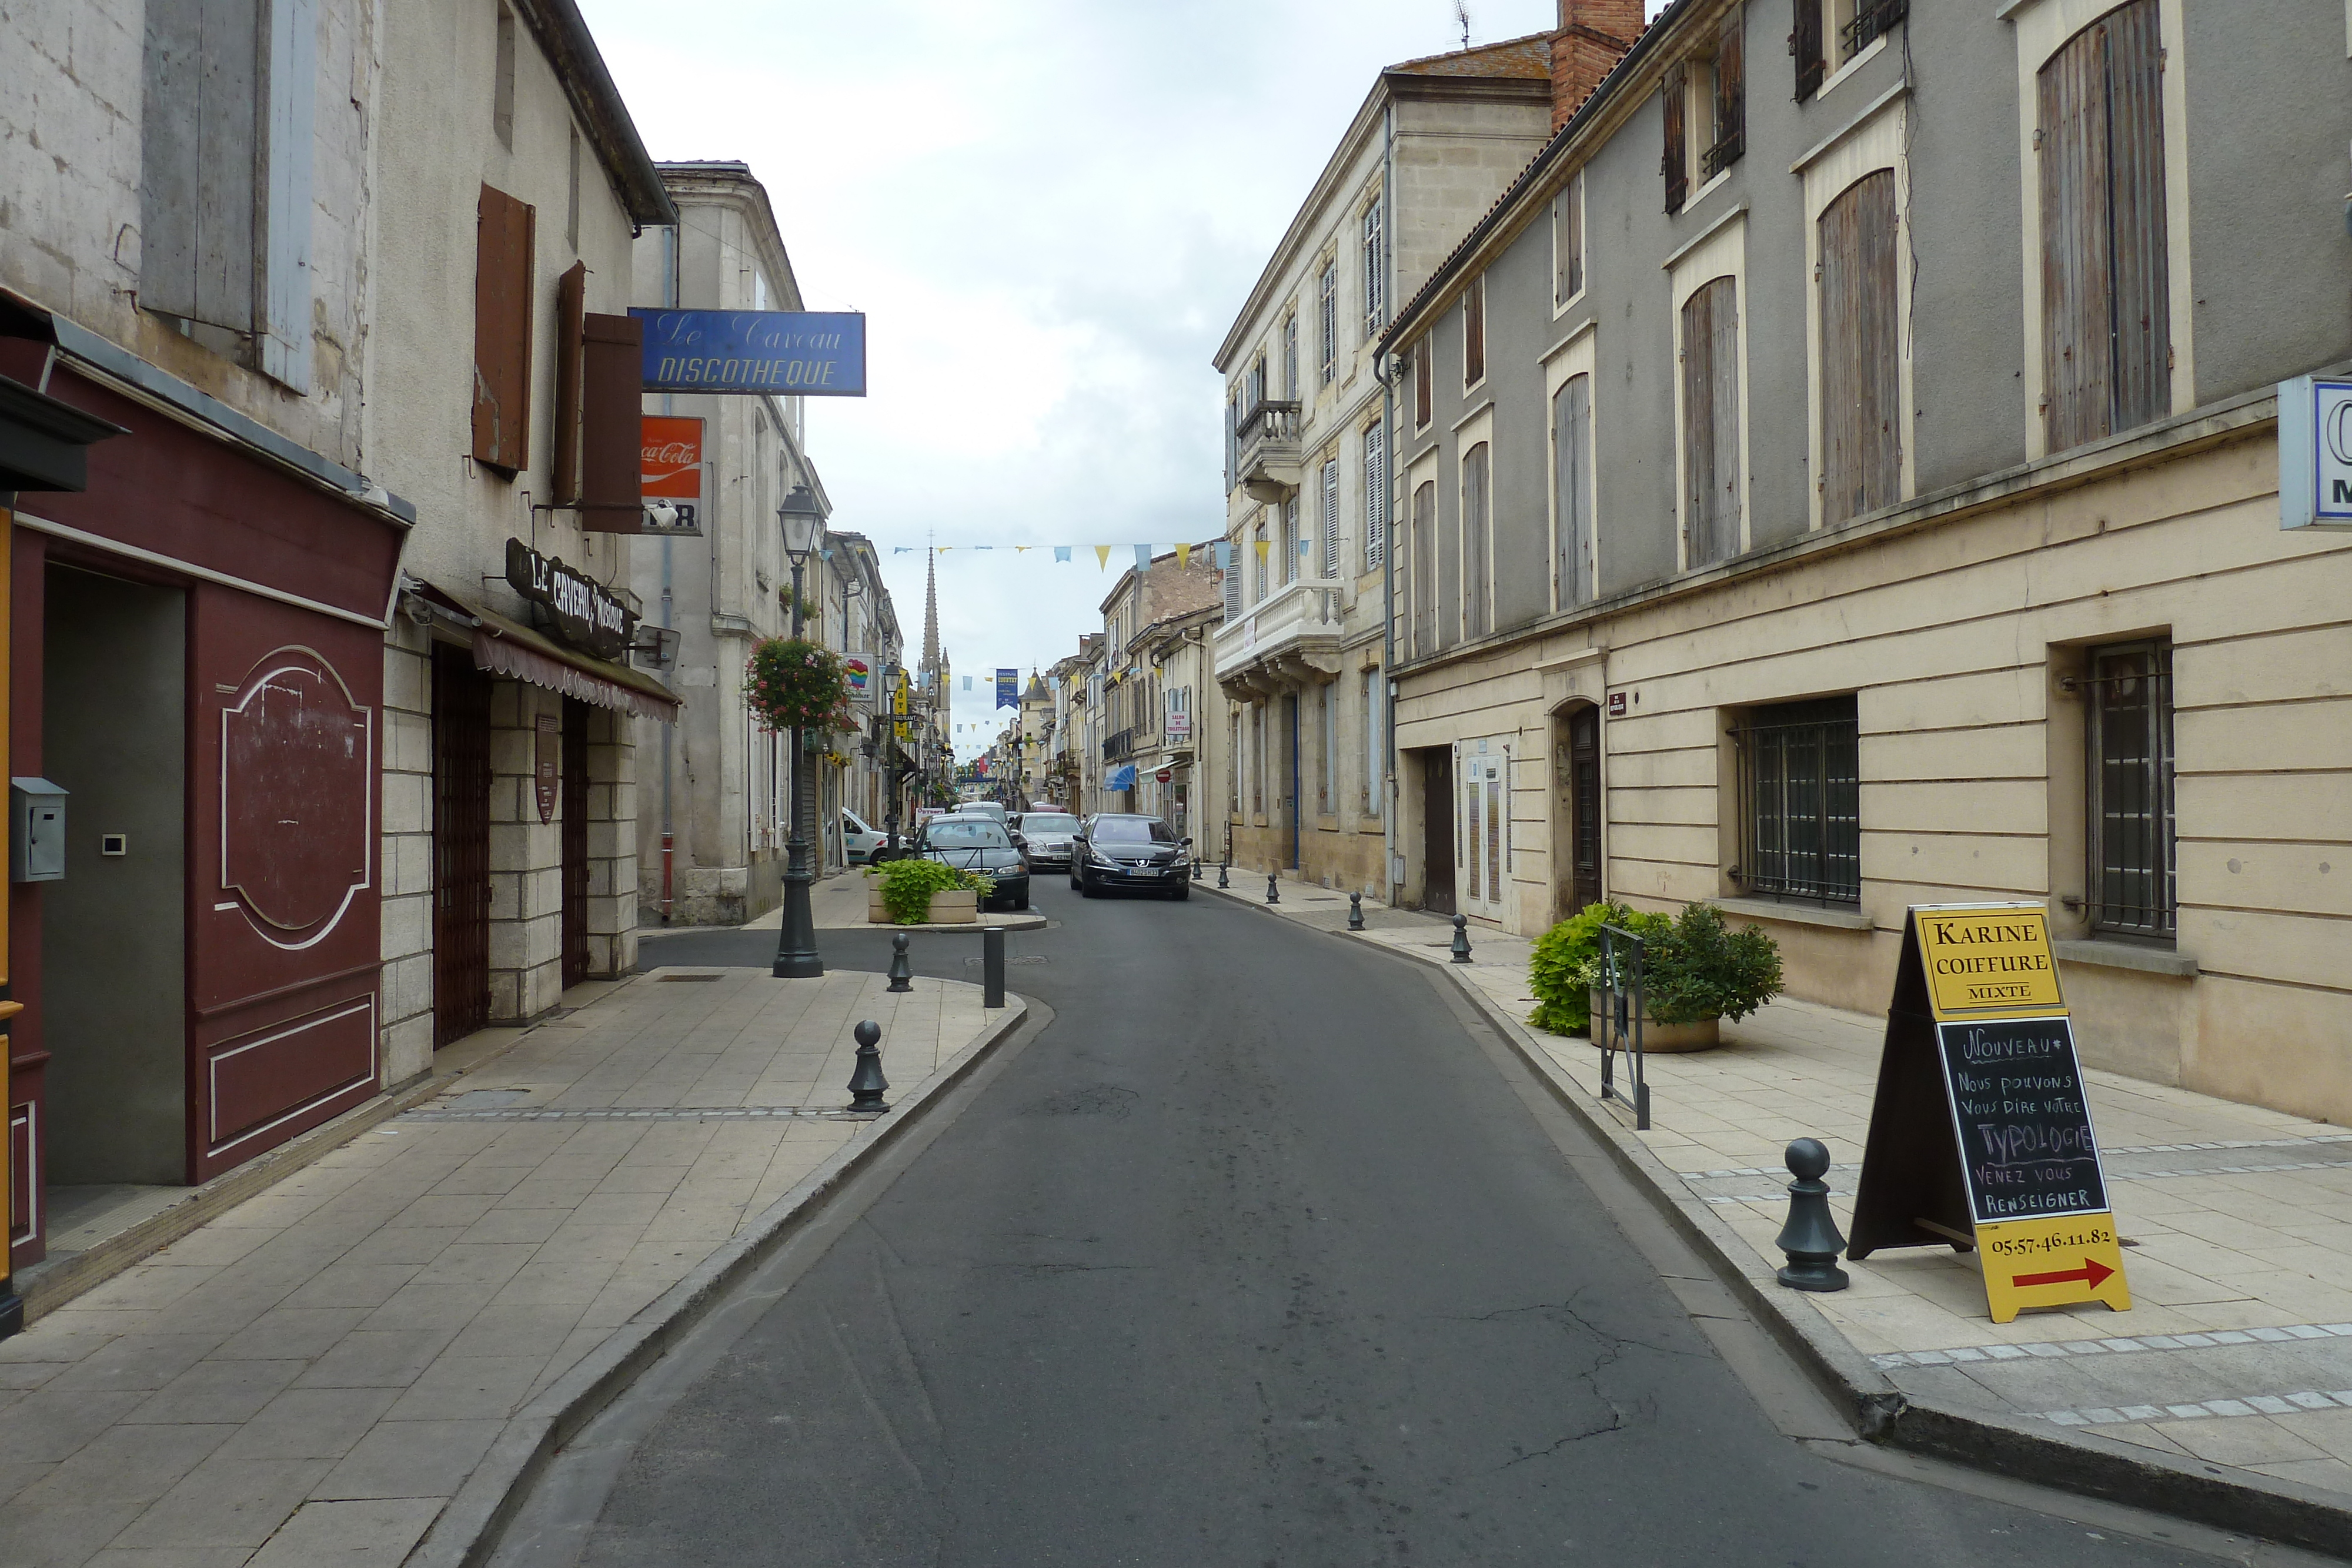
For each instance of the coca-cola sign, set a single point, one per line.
(671, 473)
(578, 609)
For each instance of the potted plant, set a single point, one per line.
(928, 892)
(791, 683)
(1695, 972)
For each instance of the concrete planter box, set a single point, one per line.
(1662, 1039)
(962, 908)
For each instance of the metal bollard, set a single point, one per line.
(866, 1085)
(1222, 867)
(1196, 871)
(1461, 938)
(991, 967)
(1810, 1238)
(1355, 912)
(1273, 889)
(902, 970)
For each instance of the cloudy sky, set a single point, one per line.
(1050, 211)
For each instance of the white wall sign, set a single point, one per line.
(2314, 423)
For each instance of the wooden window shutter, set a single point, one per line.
(1477, 541)
(1574, 199)
(505, 236)
(1711, 424)
(2142, 289)
(1571, 439)
(1421, 580)
(1233, 582)
(1730, 91)
(1376, 495)
(1331, 518)
(1805, 42)
(1421, 383)
(1862, 421)
(612, 425)
(1675, 96)
(571, 323)
(1474, 332)
(200, 159)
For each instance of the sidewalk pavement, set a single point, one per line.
(314, 1376)
(2236, 1359)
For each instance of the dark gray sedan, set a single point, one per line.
(1121, 849)
(982, 844)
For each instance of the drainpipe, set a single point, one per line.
(669, 725)
(1388, 556)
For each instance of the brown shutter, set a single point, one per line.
(1474, 332)
(1421, 382)
(2142, 288)
(612, 424)
(1730, 91)
(570, 308)
(1574, 197)
(1861, 379)
(1711, 424)
(503, 264)
(1676, 164)
(1805, 43)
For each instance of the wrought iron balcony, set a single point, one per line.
(1266, 450)
(1118, 745)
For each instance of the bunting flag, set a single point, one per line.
(1224, 555)
(967, 682)
(1143, 558)
(1102, 557)
(1061, 553)
(1261, 547)
(1183, 555)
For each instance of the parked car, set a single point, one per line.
(978, 843)
(1047, 836)
(858, 841)
(986, 809)
(1119, 849)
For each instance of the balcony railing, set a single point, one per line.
(1265, 447)
(1118, 745)
(1292, 628)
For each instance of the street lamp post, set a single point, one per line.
(796, 954)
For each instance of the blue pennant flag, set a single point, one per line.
(1061, 553)
(1224, 555)
(1143, 558)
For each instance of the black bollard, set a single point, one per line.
(1273, 889)
(1810, 1238)
(1196, 871)
(1222, 867)
(1461, 938)
(1355, 912)
(866, 1085)
(902, 971)
(991, 967)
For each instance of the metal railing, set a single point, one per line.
(1871, 19)
(1118, 745)
(1618, 1026)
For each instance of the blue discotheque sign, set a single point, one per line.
(788, 354)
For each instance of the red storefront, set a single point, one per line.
(196, 654)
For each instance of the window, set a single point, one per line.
(1711, 424)
(1330, 517)
(1477, 539)
(1257, 757)
(1258, 545)
(1706, 94)
(1327, 745)
(1568, 241)
(1800, 817)
(1368, 800)
(1861, 389)
(1423, 579)
(1234, 766)
(2132, 886)
(571, 208)
(1254, 386)
(1327, 290)
(1290, 356)
(1728, 77)
(1290, 542)
(1376, 272)
(1831, 33)
(1376, 496)
(1474, 332)
(2106, 333)
(1421, 387)
(1571, 450)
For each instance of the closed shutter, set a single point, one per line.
(1375, 271)
(1805, 43)
(1232, 584)
(1572, 437)
(612, 424)
(570, 323)
(1730, 91)
(505, 237)
(1711, 423)
(1477, 541)
(1861, 380)
(1376, 496)
(1474, 333)
(1331, 518)
(2142, 290)
(286, 208)
(200, 155)
(1571, 266)
(1423, 579)
(1421, 383)
(1675, 166)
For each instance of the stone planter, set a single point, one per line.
(957, 908)
(1662, 1039)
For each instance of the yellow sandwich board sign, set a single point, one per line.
(1980, 1132)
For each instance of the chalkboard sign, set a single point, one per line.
(2027, 1150)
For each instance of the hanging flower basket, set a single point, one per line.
(794, 684)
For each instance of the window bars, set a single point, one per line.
(1799, 802)
(2134, 887)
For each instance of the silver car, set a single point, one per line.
(1047, 838)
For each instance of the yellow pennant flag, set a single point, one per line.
(1102, 557)
(1260, 552)
(1184, 554)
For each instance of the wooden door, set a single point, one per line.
(1584, 767)
(1437, 835)
(574, 816)
(461, 846)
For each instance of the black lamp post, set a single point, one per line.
(796, 955)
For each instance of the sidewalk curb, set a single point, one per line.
(468, 1528)
(2070, 1460)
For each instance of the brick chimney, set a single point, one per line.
(1593, 36)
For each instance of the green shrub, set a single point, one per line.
(908, 885)
(1694, 968)
(1562, 970)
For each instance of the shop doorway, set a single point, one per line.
(1437, 830)
(114, 735)
(461, 846)
(574, 816)
(1483, 821)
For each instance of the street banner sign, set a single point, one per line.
(671, 471)
(1980, 1132)
(1008, 688)
(788, 354)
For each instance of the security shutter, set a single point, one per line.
(1376, 496)
(612, 425)
(1331, 518)
(1860, 384)
(505, 236)
(1675, 165)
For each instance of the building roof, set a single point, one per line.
(1527, 56)
(562, 34)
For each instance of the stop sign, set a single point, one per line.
(1165, 774)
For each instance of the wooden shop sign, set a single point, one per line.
(579, 609)
(1980, 1132)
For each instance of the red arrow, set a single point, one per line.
(2092, 1273)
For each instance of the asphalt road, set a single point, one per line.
(1248, 1257)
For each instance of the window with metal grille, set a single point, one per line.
(1331, 518)
(1376, 272)
(1327, 290)
(1800, 801)
(1234, 766)
(1568, 241)
(1376, 496)
(1368, 802)
(1830, 32)
(2134, 892)
(1474, 332)
(1327, 745)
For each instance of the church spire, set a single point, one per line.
(930, 610)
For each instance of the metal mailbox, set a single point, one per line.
(36, 830)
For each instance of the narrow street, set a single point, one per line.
(1191, 1283)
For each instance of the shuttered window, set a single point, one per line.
(1711, 423)
(1421, 385)
(1290, 356)
(1477, 539)
(1673, 105)
(1568, 241)
(1730, 93)
(1327, 291)
(503, 259)
(1474, 333)
(1571, 445)
(2107, 331)
(1376, 271)
(1257, 549)
(1331, 518)
(1232, 430)
(1290, 542)
(1861, 391)
(1232, 577)
(612, 425)
(1376, 496)
(1421, 582)
(571, 329)
(1805, 45)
